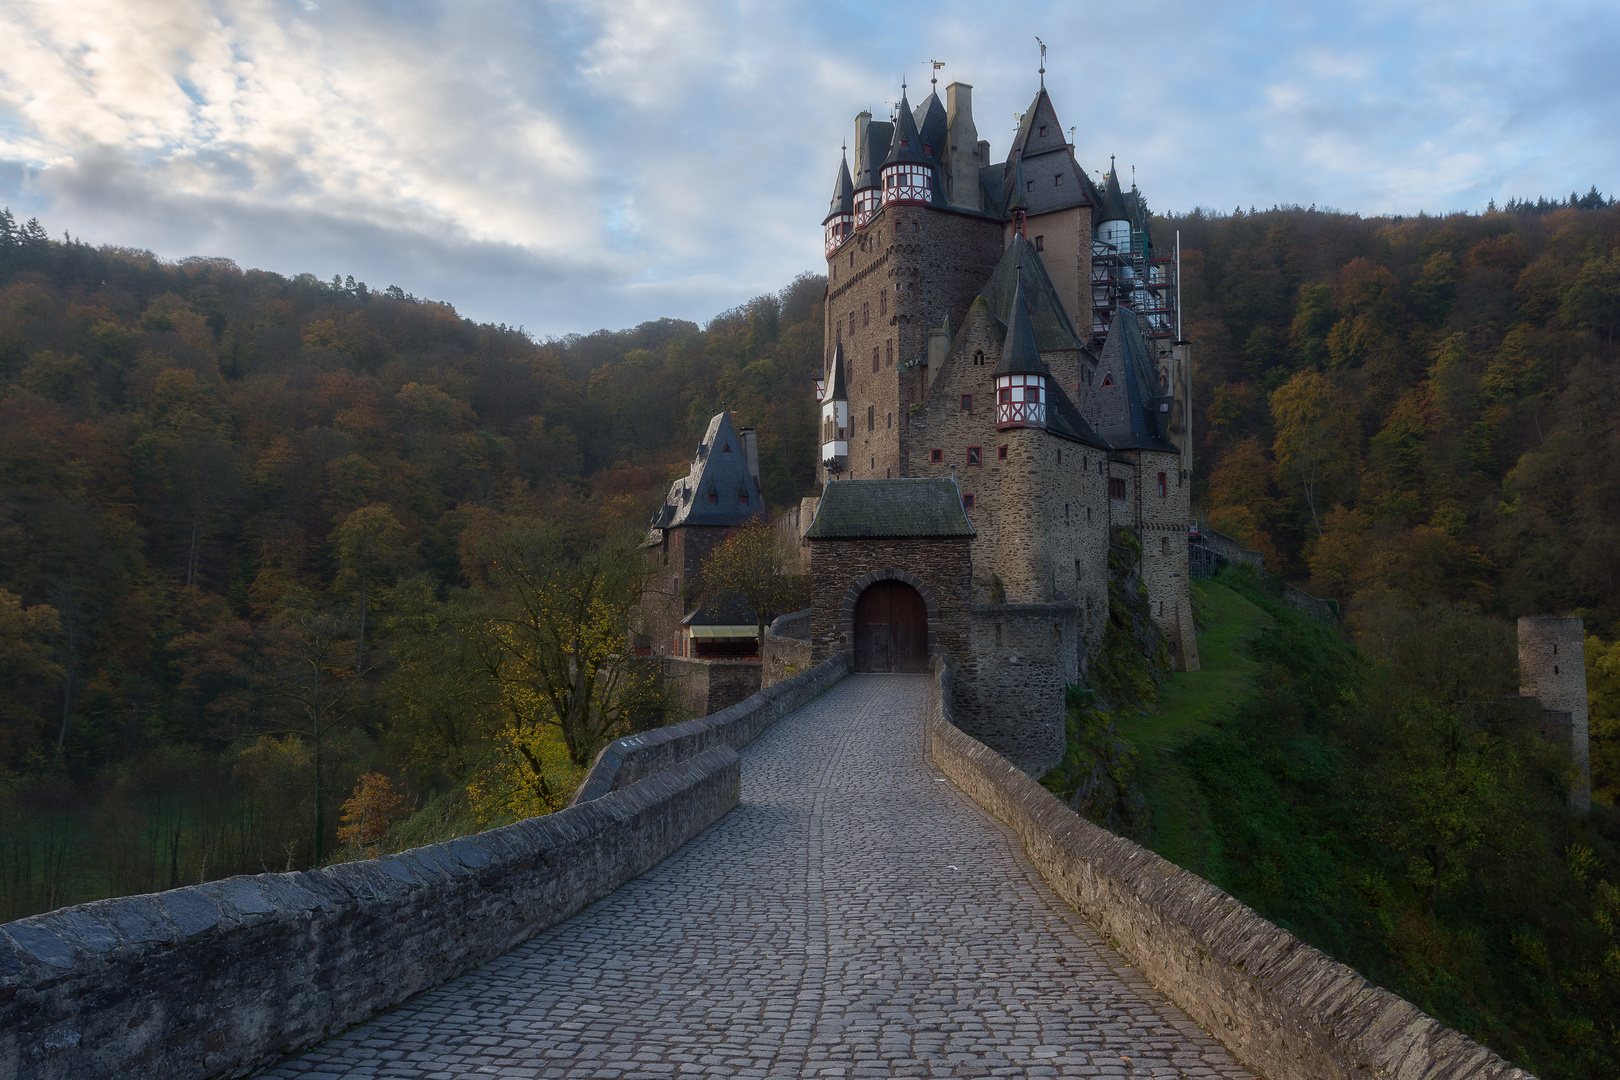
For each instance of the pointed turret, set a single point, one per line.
(840, 220)
(1021, 375)
(835, 418)
(908, 170)
(1017, 196)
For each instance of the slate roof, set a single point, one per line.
(721, 465)
(1113, 206)
(843, 200)
(729, 610)
(919, 506)
(1019, 354)
(932, 125)
(1045, 158)
(1129, 413)
(1053, 330)
(836, 390)
(905, 148)
(869, 157)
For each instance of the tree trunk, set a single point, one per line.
(320, 799)
(360, 665)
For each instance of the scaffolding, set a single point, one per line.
(1135, 278)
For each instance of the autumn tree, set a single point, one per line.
(368, 813)
(1317, 447)
(370, 545)
(557, 646)
(314, 676)
(751, 563)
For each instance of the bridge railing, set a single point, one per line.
(218, 979)
(1280, 1006)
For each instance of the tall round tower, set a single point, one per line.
(1552, 669)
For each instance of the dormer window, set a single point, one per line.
(742, 497)
(929, 151)
(714, 497)
(1043, 131)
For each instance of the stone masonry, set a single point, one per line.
(941, 568)
(1552, 668)
(855, 916)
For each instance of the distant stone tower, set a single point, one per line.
(1552, 669)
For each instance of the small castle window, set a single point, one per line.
(871, 420)
(866, 314)
(1116, 488)
(1040, 243)
(1001, 453)
(936, 455)
(1077, 570)
(897, 228)
(725, 448)
(888, 347)
(916, 226)
(1088, 513)
(1057, 180)
(1065, 513)
(1163, 489)
(891, 421)
(874, 359)
(967, 502)
(1060, 455)
(1164, 546)
(978, 357)
(1043, 131)
(852, 324)
(928, 151)
(975, 455)
(1029, 185)
(883, 302)
(714, 496)
(742, 497)
(967, 402)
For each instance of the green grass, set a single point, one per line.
(1188, 704)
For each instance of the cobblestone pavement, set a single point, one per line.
(853, 917)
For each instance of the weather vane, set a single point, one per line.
(1042, 44)
(935, 80)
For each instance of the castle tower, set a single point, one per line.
(839, 223)
(835, 419)
(1552, 669)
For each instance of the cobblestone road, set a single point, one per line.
(853, 917)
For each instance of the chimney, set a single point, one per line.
(750, 441)
(961, 147)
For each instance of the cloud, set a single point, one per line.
(568, 165)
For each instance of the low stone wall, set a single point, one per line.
(787, 647)
(1282, 1007)
(625, 761)
(1023, 658)
(217, 979)
(699, 687)
(1325, 610)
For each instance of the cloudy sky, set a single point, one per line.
(566, 166)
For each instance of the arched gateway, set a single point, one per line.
(891, 628)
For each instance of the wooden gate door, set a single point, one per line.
(891, 628)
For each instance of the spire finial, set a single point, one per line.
(1042, 44)
(935, 80)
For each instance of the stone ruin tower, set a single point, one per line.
(1552, 669)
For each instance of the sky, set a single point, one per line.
(567, 166)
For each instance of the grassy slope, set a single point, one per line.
(1179, 824)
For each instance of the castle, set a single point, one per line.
(1004, 384)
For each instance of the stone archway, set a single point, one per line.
(890, 622)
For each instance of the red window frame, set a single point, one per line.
(936, 455)
(975, 455)
(1001, 453)
(1116, 488)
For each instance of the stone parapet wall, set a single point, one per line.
(698, 687)
(1287, 1010)
(787, 655)
(218, 979)
(625, 761)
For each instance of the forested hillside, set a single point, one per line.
(212, 480)
(1426, 404)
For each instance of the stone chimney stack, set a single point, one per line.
(1552, 669)
(961, 147)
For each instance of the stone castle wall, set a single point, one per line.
(1011, 693)
(898, 285)
(698, 687)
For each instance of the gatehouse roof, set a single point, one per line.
(911, 507)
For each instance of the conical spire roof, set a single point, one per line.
(843, 200)
(1019, 353)
(836, 391)
(906, 148)
(1113, 202)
